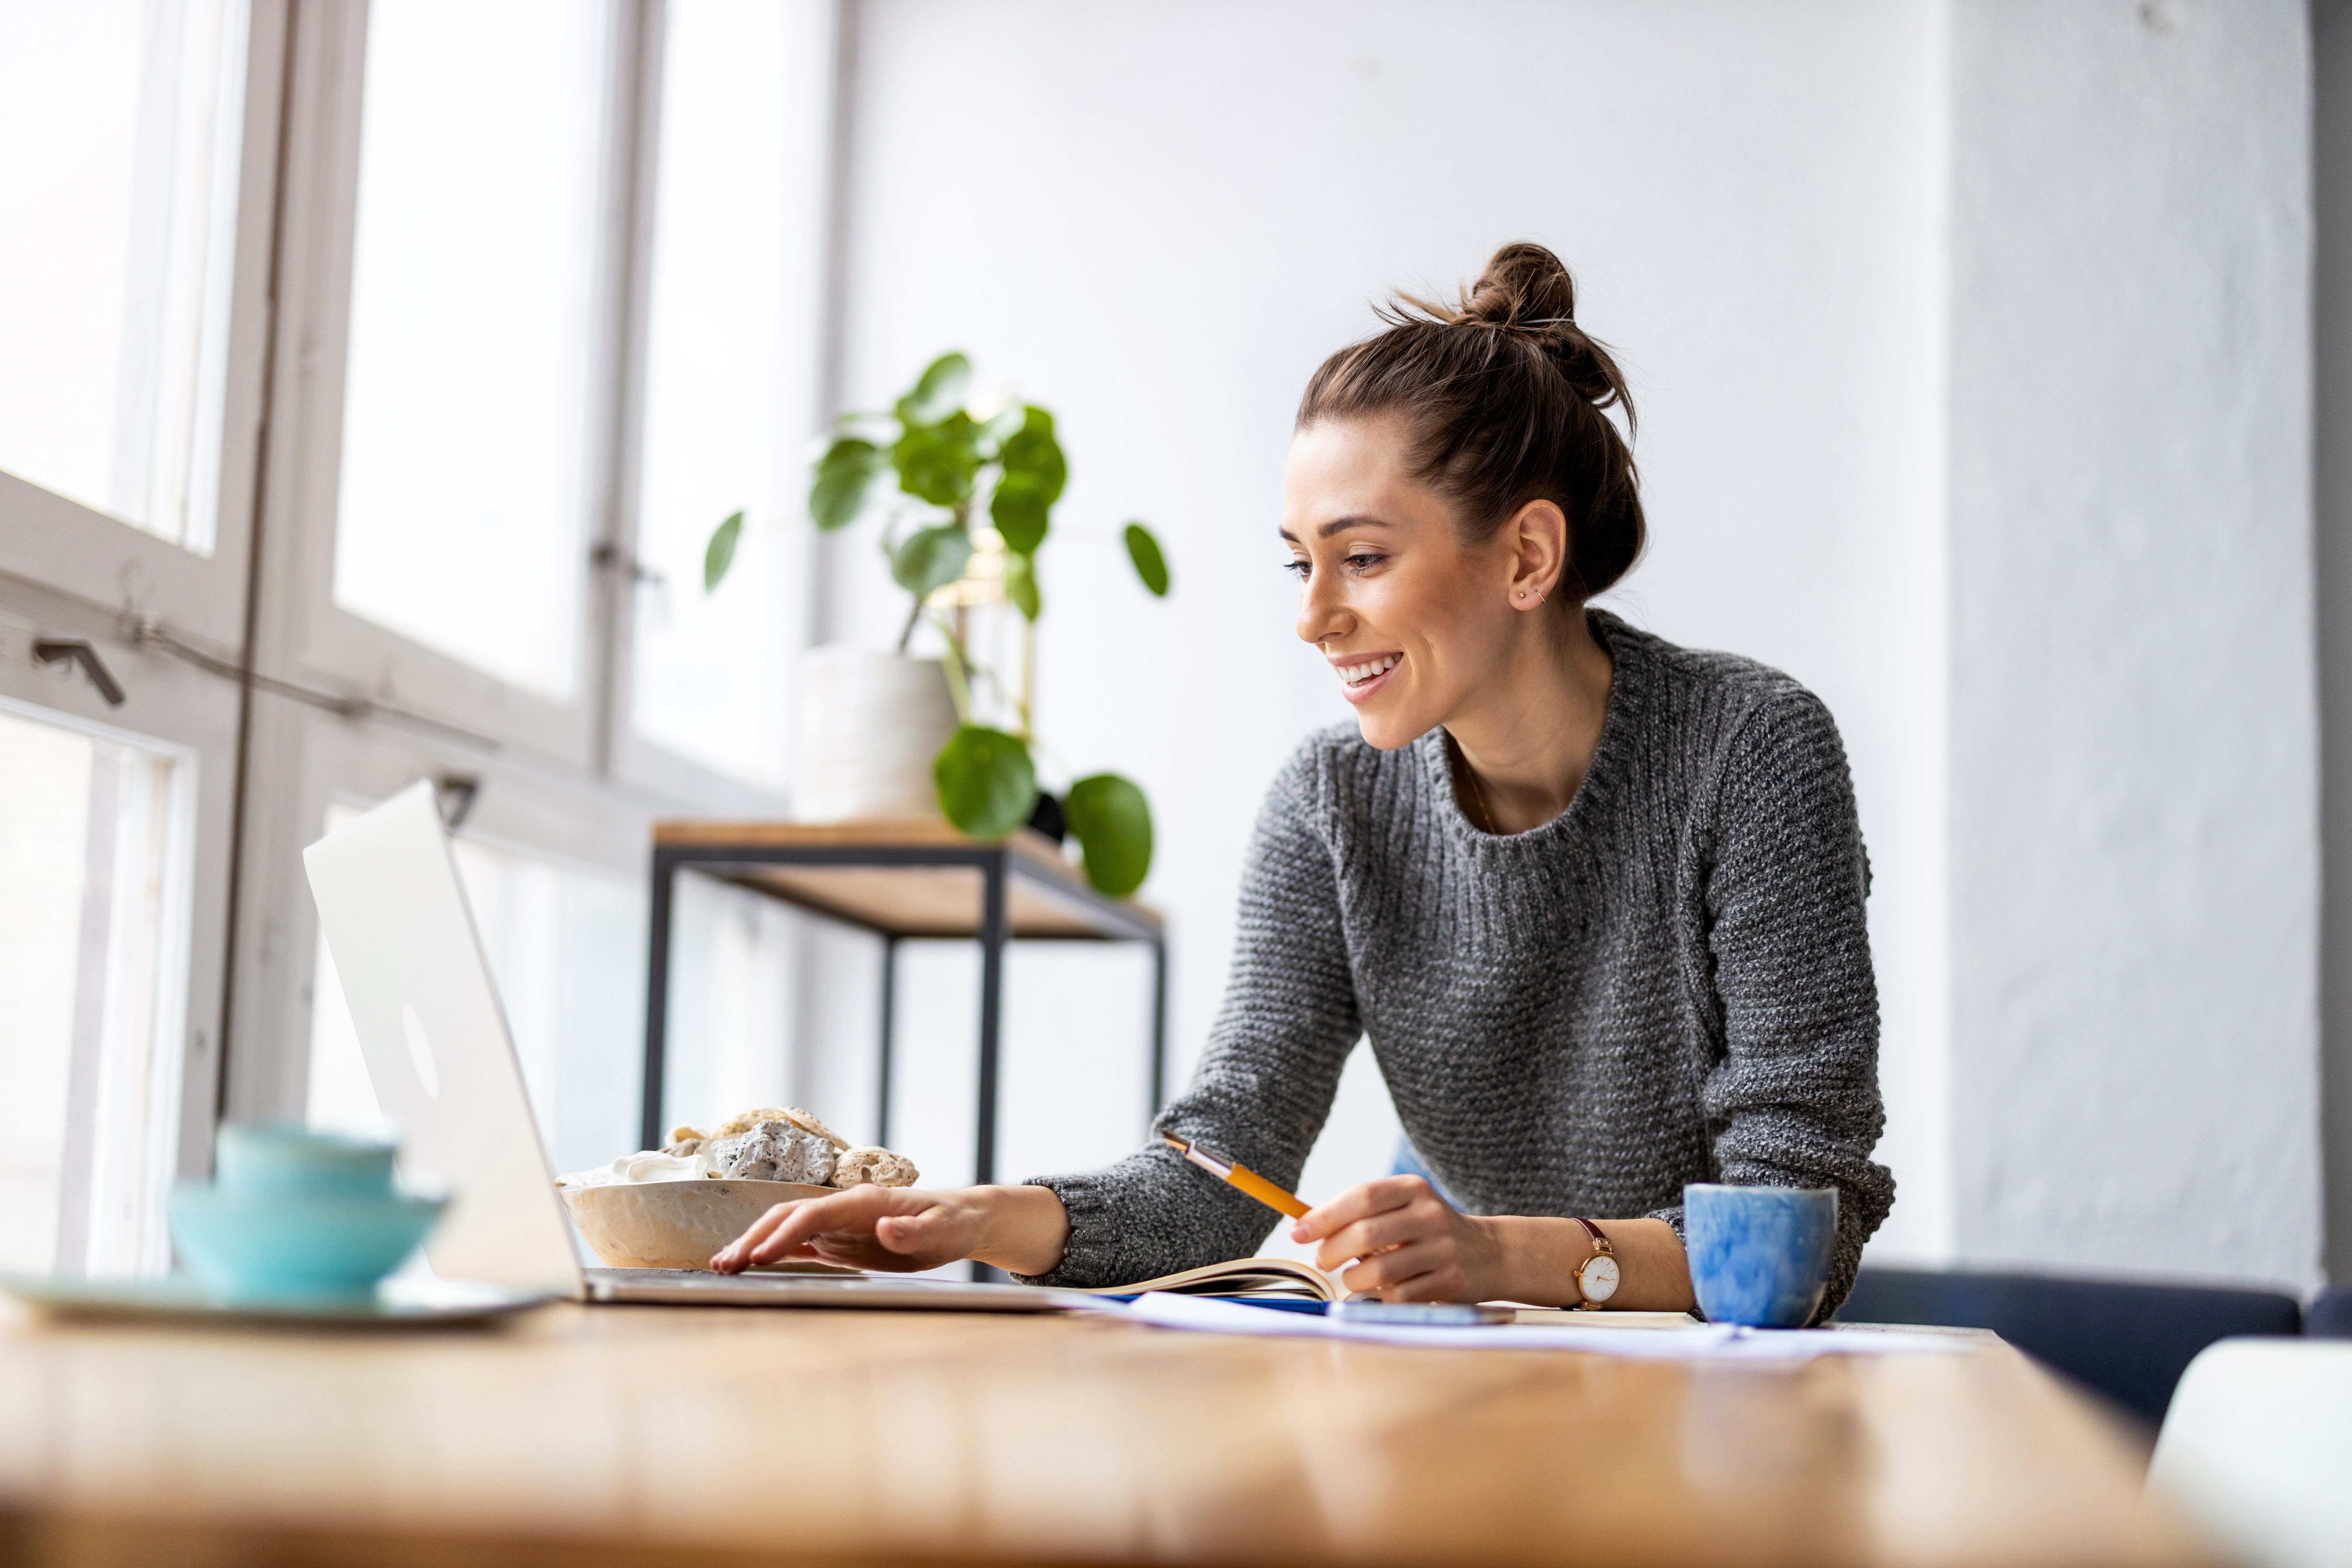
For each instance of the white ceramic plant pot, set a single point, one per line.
(871, 724)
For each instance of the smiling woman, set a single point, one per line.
(1596, 900)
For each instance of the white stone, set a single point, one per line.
(773, 1151)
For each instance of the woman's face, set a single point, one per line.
(1413, 622)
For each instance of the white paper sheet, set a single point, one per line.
(1700, 1341)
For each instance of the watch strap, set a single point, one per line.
(1600, 1249)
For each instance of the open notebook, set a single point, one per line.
(1281, 1277)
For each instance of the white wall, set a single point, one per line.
(1157, 220)
(2134, 821)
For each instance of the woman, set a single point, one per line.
(1596, 900)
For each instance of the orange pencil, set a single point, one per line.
(1236, 1174)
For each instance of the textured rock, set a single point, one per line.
(792, 1113)
(735, 1126)
(879, 1166)
(774, 1151)
(807, 1124)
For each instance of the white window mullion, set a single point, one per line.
(632, 140)
(736, 208)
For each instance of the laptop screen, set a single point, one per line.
(395, 917)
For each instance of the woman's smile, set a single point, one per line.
(1362, 674)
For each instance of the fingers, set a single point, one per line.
(1427, 1270)
(1424, 1215)
(1358, 1201)
(788, 1227)
(1368, 1236)
(735, 1256)
(856, 1212)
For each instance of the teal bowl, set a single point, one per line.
(286, 1160)
(241, 1248)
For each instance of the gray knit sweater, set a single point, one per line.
(1668, 982)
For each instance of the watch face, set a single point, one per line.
(1598, 1278)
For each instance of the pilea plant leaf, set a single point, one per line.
(1149, 564)
(1001, 428)
(1112, 823)
(1020, 585)
(929, 559)
(842, 476)
(1033, 451)
(939, 392)
(938, 463)
(719, 554)
(988, 785)
(1019, 509)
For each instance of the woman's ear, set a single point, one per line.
(1538, 535)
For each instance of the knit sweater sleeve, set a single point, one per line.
(1266, 1076)
(1791, 1099)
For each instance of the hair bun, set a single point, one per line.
(1524, 285)
(1504, 397)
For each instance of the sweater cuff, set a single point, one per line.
(1086, 1256)
(1674, 1218)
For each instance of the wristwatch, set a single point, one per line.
(1596, 1281)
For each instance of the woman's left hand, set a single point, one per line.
(1415, 1246)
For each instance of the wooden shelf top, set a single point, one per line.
(1046, 897)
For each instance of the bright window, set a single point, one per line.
(471, 388)
(92, 843)
(731, 381)
(120, 119)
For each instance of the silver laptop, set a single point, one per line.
(394, 916)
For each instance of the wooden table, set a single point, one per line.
(902, 877)
(651, 1437)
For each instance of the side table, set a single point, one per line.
(898, 879)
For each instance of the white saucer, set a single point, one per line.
(397, 1303)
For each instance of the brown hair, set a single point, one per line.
(1503, 394)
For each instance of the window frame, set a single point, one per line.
(83, 553)
(304, 636)
(572, 779)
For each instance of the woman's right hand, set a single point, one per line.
(907, 1229)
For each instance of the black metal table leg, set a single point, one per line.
(992, 935)
(889, 1016)
(992, 1011)
(665, 878)
(1159, 1032)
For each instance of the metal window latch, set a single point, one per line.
(55, 651)
(454, 794)
(611, 557)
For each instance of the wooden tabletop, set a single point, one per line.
(1046, 897)
(658, 1435)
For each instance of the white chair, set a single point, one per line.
(2257, 1446)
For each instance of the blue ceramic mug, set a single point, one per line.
(1759, 1256)
(296, 1216)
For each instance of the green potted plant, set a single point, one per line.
(971, 505)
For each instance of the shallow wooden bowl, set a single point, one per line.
(673, 1225)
